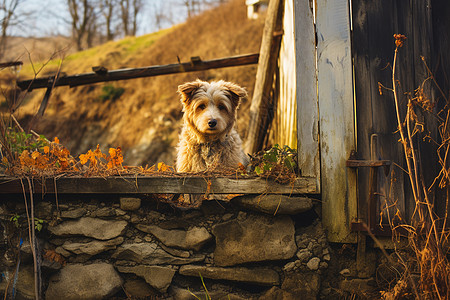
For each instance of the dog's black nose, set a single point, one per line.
(212, 123)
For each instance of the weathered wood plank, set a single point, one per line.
(441, 65)
(132, 73)
(372, 51)
(336, 113)
(259, 109)
(306, 90)
(160, 185)
(285, 119)
(422, 44)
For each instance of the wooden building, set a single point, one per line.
(320, 69)
(326, 60)
(255, 8)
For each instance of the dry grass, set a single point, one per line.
(425, 268)
(149, 107)
(39, 48)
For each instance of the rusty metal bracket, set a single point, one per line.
(373, 164)
(362, 226)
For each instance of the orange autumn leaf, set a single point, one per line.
(56, 140)
(84, 158)
(162, 167)
(46, 149)
(51, 255)
(25, 159)
(98, 153)
(35, 154)
(115, 158)
(89, 157)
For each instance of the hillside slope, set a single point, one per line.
(40, 48)
(145, 119)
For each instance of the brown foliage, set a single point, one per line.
(426, 231)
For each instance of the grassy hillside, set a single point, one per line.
(145, 119)
(22, 49)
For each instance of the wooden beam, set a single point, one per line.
(131, 73)
(159, 185)
(270, 46)
(10, 64)
(306, 93)
(336, 118)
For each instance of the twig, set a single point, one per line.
(33, 247)
(17, 123)
(388, 257)
(31, 233)
(400, 127)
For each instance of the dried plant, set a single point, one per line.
(426, 266)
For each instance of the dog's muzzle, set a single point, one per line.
(212, 123)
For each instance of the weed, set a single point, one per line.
(38, 223)
(19, 141)
(109, 92)
(277, 163)
(15, 220)
(426, 231)
(207, 296)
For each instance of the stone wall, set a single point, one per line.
(93, 247)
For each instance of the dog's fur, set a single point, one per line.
(208, 140)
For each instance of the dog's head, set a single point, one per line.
(210, 108)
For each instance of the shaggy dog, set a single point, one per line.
(208, 140)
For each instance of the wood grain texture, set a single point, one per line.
(336, 111)
(160, 185)
(284, 124)
(372, 51)
(132, 73)
(261, 100)
(306, 90)
(374, 24)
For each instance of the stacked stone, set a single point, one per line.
(129, 249)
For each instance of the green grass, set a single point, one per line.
(126, 46)
(134, 44)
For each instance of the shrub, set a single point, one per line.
(109, 92)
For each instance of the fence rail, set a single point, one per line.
(101, 74)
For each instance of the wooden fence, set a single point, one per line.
(374, 23)
(333, 56)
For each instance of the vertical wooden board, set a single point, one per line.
(381, 50)
(405, 74)
(268, 56)
(441, 42)
(422, 41)
(363, 90)
(336, 116)
(441, 65)
(307, 110)
(373, 48)
(286, 120)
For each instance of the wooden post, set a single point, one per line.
(336, 115)
(306, 91)
(268, 56)
(284, 124)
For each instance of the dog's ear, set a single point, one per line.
(188, 89)
(236, 92)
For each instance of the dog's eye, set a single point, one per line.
(202, 106)
(222, 107)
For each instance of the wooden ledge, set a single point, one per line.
(159, 185)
